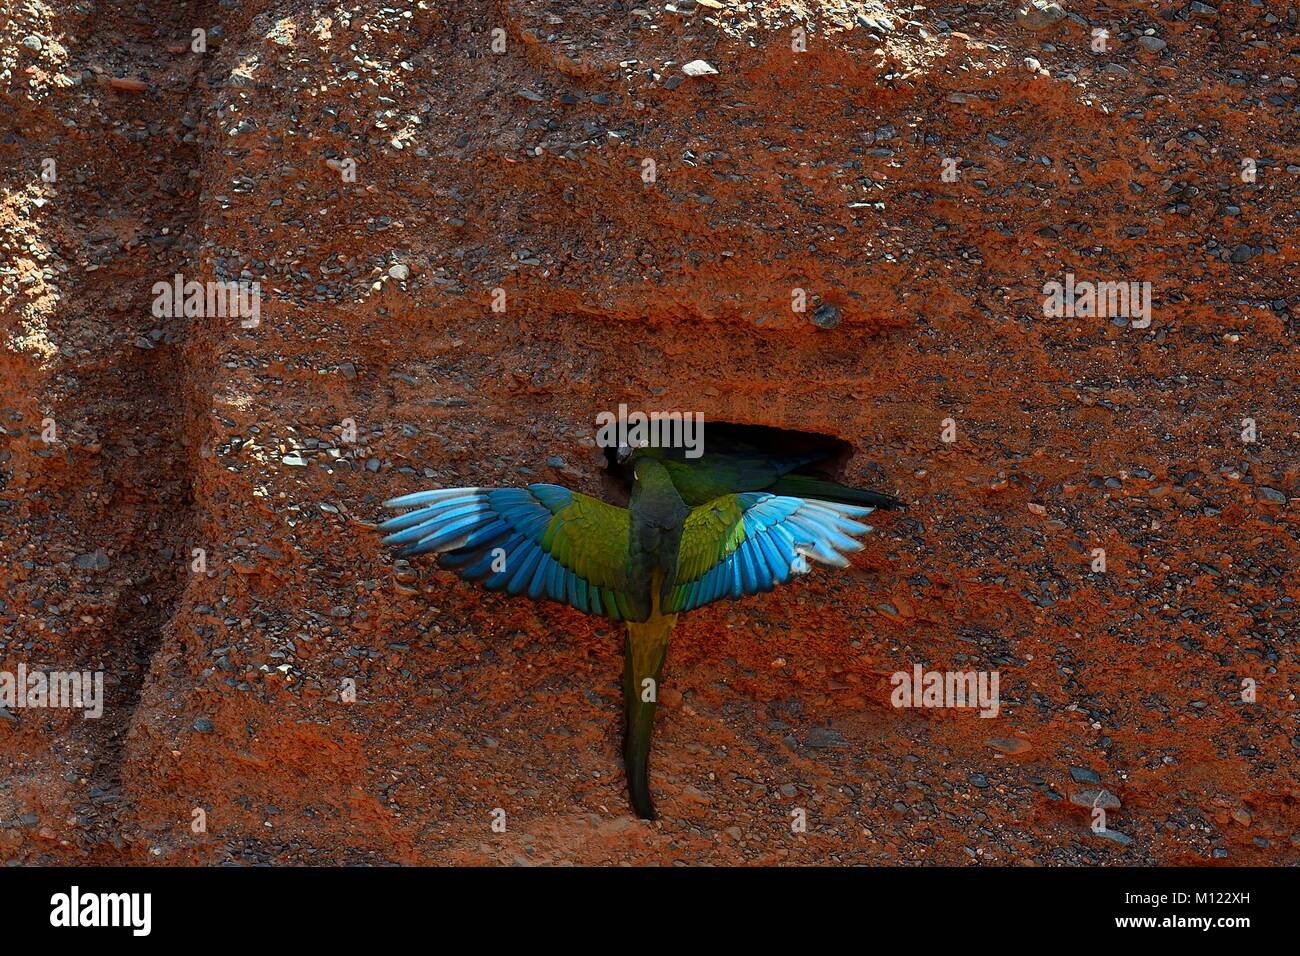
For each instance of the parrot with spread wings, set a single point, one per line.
(695, 531)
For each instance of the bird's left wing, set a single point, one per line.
(746, 543)
(543, 541)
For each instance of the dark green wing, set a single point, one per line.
(700, 480)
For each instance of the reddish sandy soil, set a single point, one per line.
(522, 170)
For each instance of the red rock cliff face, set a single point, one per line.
(476, 227)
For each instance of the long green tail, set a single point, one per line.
(803, 486)
(643, 659)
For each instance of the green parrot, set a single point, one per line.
(643, 565)
(733, 466)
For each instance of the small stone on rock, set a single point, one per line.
(1114, 836)
(96, 560)
(699, 68)
(826, 316)
(1040, 14)
(1095, 798)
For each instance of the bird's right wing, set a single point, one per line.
(544, 541)
(747, 543)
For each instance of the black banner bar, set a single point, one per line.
(336, 906)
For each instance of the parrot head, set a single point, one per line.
(629, 453)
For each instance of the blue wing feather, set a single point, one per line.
(521, 531)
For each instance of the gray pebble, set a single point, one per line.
(826, 316)
(96, 560)
(1095, 798)
(1040, 14)
(1084, 775)
(825, 738)
(1114, 836)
